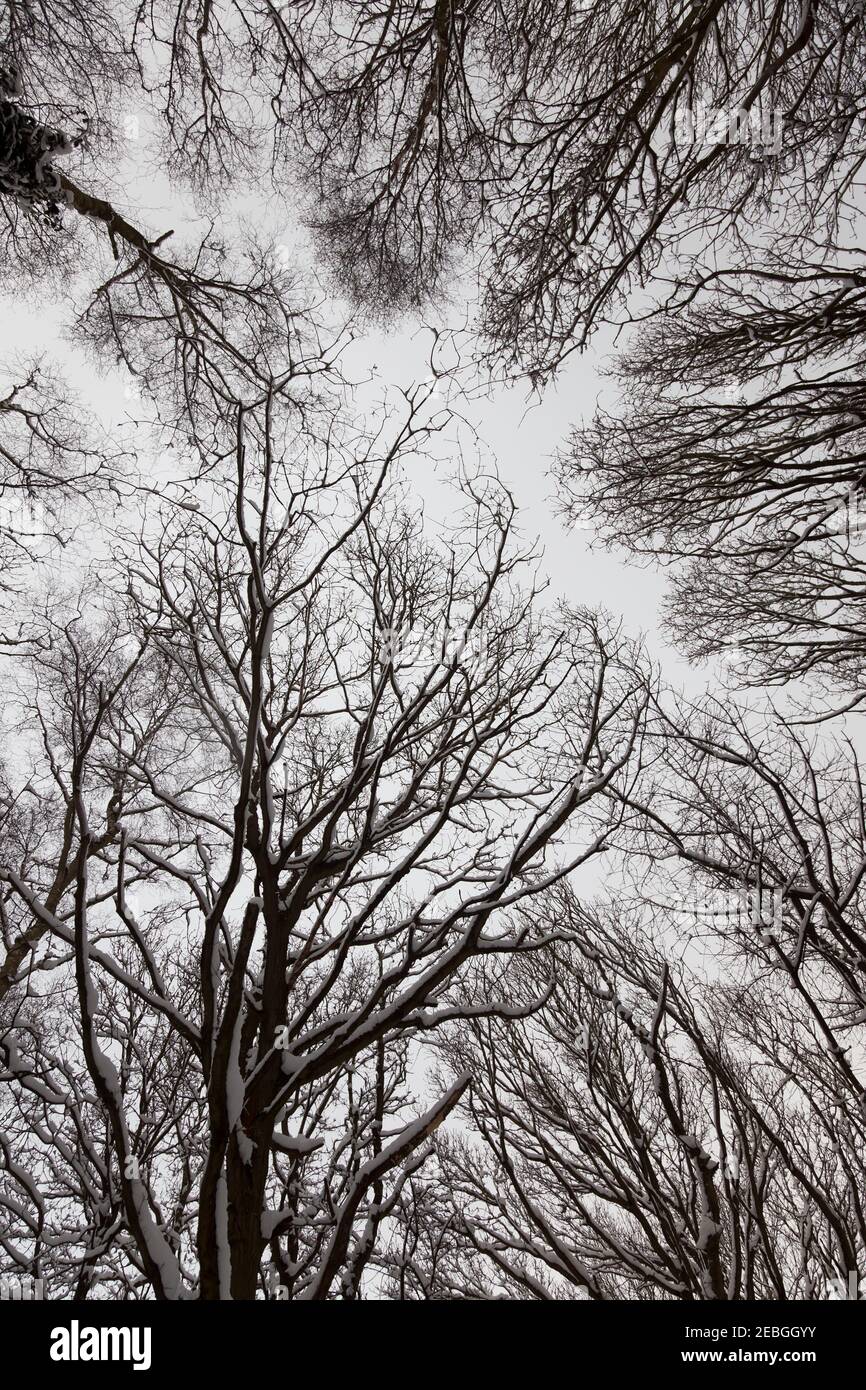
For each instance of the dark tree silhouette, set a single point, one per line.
(737, 452)
(654, 1131)
(371, 924)
(329, 829)
(566, 146)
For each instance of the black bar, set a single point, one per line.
(230, 1339)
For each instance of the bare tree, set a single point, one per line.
(662, 1128)
(310, 833)
(55, 466)
(199, 320)
(568, 146)
(301, 994)
(737, 452)
(748, 806)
